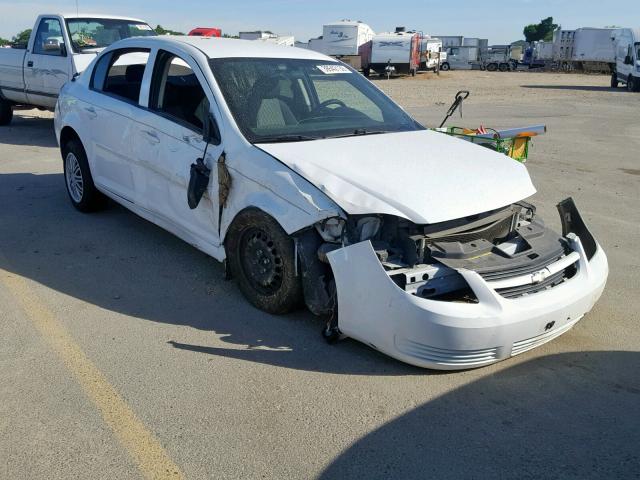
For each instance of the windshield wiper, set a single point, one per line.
(358, 132)
(285, 138)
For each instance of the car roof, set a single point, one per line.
(215, 47)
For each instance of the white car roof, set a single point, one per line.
(214, 47)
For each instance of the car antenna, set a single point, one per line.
(77, 9)
(457, 103)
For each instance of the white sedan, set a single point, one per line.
(314, 187)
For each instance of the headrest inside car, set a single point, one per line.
(134, 73)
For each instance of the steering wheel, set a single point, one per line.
(332, 101)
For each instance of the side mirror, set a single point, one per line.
(627, 60)
(210, 131)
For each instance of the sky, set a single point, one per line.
(499, 21)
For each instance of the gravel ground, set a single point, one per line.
(231, 392)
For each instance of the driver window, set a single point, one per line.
(341, 91)
(177, 92)
(48, 38)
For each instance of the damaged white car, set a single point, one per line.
(314, 187)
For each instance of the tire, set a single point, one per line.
(492, 67)
(6, 113)
(632, 84)
(366, 72)
(444, 67)
(262, 260)
(77, 175)
(503, 67)
(614, 80)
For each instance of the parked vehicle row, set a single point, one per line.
(60, 47)
(285, 164)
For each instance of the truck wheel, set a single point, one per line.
(366, 72)
(492, 67)
(631, 84)
(444, 67)
(6, 113)
(82, 192)
(614, 80)
(503, 67)
(262, 260)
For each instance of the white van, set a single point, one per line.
(627, 69)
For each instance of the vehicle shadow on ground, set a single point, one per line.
(119, 262)
(585, 88)
(27, 130)
(572, 415)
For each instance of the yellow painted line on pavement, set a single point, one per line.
(150, 457)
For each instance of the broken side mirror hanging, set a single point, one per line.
(461, 96)
(200, 173)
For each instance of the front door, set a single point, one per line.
(169, 140)
(47, 64)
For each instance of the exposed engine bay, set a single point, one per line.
(510, 248)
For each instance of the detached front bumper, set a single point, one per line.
(450, 336)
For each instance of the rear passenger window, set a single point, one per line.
(177, 93)
(120, 74)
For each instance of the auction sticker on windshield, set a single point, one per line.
(331, 69)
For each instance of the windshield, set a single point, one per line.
(90, 33)
(279, 100)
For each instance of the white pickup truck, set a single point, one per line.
(60, 47)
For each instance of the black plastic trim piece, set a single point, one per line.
(572, 223)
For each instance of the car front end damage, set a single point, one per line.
(454, 295)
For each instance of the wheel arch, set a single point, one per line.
(66, 135)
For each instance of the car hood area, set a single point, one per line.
(423, 176)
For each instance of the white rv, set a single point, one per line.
(345, 37)
(627, 58)
(431, 53)
(399, 51)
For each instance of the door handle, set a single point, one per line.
(30, 63)
(91, 111)
(151, 136)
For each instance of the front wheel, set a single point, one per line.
(82, 192)
(262, 260)
(6, 113)
(632, 84)
(614, 80)
(444, 67)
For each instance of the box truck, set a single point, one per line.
(395, 52)
(593, 49)
(627, 58)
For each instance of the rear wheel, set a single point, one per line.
(6, 112)
(614, 80)
(444, 67)
(632, 84)
(262, 260)
(503, 67)
(82, 192)
(492, 67)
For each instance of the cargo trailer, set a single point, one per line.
(593, 49)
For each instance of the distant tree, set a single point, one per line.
(163, 31)
(4, 41)
(540, 31)
(22, 37)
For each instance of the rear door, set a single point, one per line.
(168, 140)
(113, 101)
(47, 63)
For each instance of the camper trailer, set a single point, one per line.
(395, 52)
(627, 58)
(431, 53)
(348, 41)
